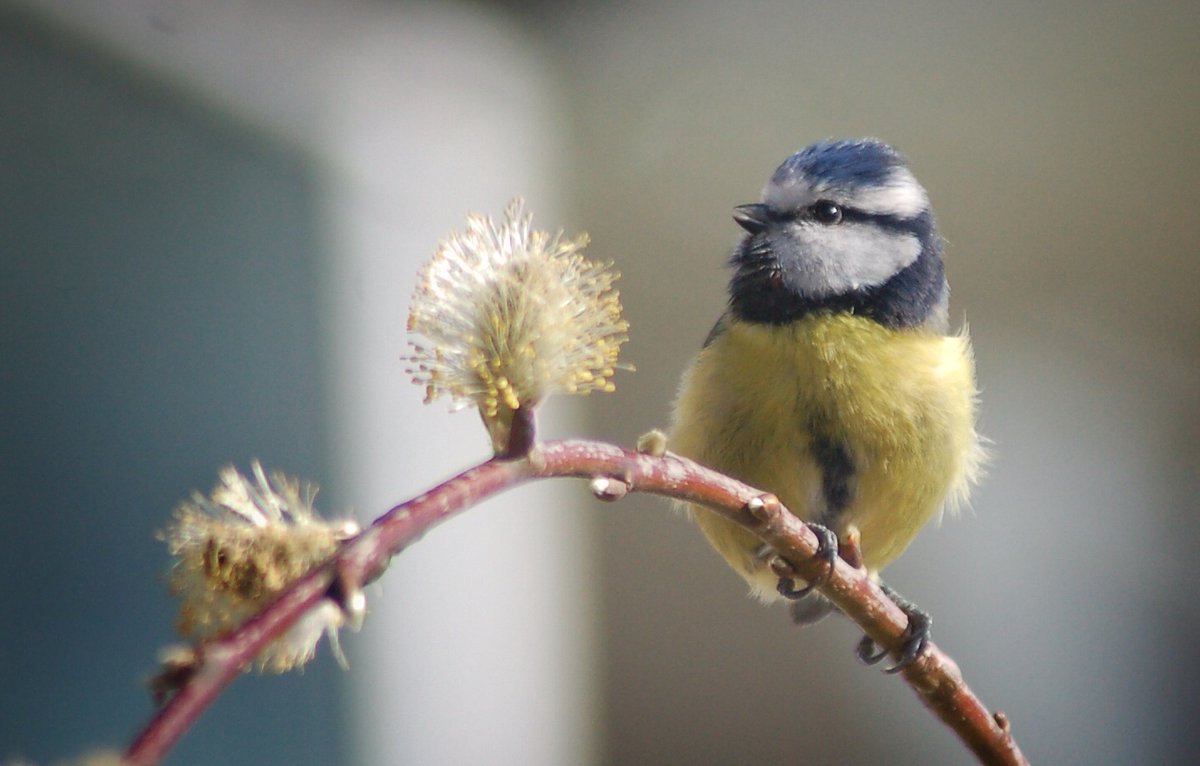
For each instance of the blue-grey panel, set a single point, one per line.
(158, 274)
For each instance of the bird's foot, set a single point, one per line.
(915, 638)
(827, 551)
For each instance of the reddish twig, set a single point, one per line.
(934, 676)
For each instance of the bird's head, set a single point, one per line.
(843, 226)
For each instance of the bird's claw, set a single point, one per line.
(827, 551)
(913, 641)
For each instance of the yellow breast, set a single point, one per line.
(901, 402)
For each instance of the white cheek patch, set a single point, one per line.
(852, 256)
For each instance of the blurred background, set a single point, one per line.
(210, 219)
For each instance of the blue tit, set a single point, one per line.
(833, 380)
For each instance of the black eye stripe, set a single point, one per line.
(917, 225)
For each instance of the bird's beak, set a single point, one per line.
(752, 218)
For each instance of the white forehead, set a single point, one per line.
(898, 194)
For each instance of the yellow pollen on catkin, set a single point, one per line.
(511, 315)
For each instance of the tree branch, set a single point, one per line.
(934, 676)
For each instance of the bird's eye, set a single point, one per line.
(826, 212)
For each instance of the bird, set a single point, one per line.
(833, 379)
